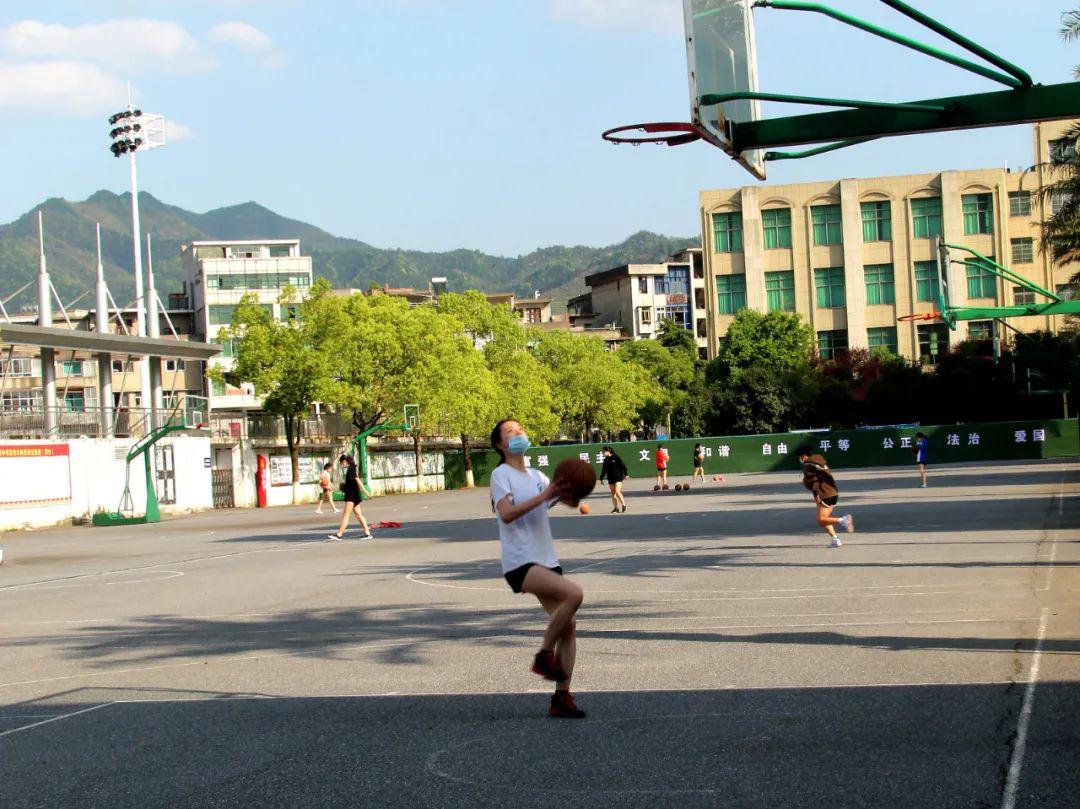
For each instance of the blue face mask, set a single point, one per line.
(518, 444)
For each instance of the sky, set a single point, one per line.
(441, 124)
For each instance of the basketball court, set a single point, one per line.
(727, 655)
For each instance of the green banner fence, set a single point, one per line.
(887, 446)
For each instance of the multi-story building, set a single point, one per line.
(218, 274)
(638, 298)
(853, 255)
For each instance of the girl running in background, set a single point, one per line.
(819, 480)
(699, 461)
(521, 497)
(922, 455)
(616, 472)
(326, 492)
(354, 490)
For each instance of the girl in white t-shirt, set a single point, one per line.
(521, 497)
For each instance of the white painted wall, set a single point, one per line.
(96, 469)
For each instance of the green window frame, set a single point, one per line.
(981, 330)
(981, 282)
(926, 217)
(883, 338)
(780, 291)
(730, 293)
(1019, 203)
(827, 224)
(1022, 296)
(727, 232)
(776, 224)
(978, 213)
(927, 286)
(877, 221)
(72, 367)
(831, 342)
(829, 288)
(880, 284)
(1023, 251)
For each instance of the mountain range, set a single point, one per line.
(70, 250)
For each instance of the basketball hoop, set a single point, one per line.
(677, 133)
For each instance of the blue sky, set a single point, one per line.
(437, 124)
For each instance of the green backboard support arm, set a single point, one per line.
(360, 445)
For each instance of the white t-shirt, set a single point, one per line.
(528, 538)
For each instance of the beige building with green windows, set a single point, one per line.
(853, 255)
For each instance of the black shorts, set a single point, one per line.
(516, 577)
(830, 501)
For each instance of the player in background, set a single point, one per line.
(922, 455)
(521, 497)
(662, 458)
(819, 480)
(615, 472)
(699, 461)
(326, 491)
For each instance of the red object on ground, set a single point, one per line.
(386, 524)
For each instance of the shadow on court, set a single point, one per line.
(909, 746)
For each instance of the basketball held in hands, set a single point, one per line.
(579, 479)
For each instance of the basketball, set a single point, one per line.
(579, 477)
(656, 488)
(686, 487)
(666, 487)
(716, 478)
(584, 508)
(678, 487)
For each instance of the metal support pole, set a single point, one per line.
(140, 318)
(104, 359)
(48, 356)
(153, 329)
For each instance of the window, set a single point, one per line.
(1062, 150)
(727, 232)
(876, 221)
(933, 341)
(678, 281)
(1019, 203)
(680, 315)
(645, 315)
(660, 285)
(699, 298)
(118, 366)
(1023, 251)
(74, 402)
(1057, 200)
(880, 284)
(981, 283)
(643, 284)
(829, 283)
(222, 314)
(532, 315)
(731, 291)
(981, 330)
(71, 368)
(174, 365)
(883, 339)
(978, 213)
(830, 343)
(827, 224)
(1023, 296)
(1066, 291)
(217, 387)
(777, 225)
(780, 291)
(927, 286)
(926, 217)
(292, 312)
(20, 401)
(17, 366)
(702, 327)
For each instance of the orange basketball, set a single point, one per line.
(579, 477)
(584, 508)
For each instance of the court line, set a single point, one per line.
(59, 718)
(1049, 575)
(59, 584)
(1012, 783)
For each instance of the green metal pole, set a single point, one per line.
(711, 99)
(153, 513)
(960, 39)
(828, 147)
(892, 36)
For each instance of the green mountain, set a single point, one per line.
(72, 262)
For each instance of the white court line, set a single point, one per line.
(59, 584)
(1012, 783)
(1057, 531)
(56, 719)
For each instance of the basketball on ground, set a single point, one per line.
(678, 487)
(579, 477)
(584, 508)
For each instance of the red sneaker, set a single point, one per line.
(563, 707)
(547, 666)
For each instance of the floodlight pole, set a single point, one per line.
(48, 355)
(140, 318)
(104, 359)
(153, 330)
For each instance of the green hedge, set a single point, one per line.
(1000, 441)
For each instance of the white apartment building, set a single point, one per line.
(638, 298)
(218, 274)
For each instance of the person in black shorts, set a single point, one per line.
(699, 461)
(615, 472)
(354, 490)
(819, 480)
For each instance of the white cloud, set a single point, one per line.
(249, 39)
(130, 44)
(663, 17)
(175, 131)
(60, 87)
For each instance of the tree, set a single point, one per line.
(674, 336)
(285, 361)
(592, 388)
(672, 370)
(760, 400)
(781, 341)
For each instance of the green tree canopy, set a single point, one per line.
(781, 341)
